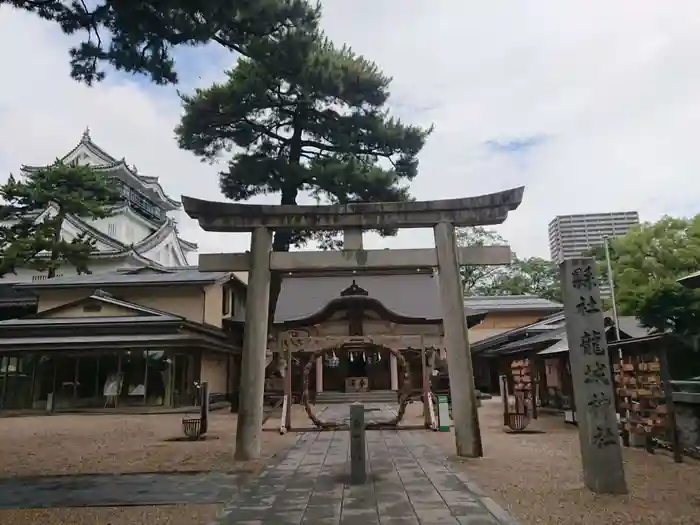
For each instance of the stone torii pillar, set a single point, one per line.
(442, 215)
(252, 389)
(459, 359)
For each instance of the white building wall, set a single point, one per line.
(167, 252)
(570, 236)
(123, 228)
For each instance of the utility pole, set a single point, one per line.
(611, 283)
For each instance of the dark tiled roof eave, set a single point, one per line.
(133, 278)
(546, 324)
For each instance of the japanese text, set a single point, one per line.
(587, 306)
(599, 400)
(590, 343)
(603, 437)
(582, 278)
(596, 373)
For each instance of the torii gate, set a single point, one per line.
(441, 215)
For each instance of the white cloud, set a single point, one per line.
(612, 85)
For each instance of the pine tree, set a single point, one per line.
(31, 238)
(140, 36)
(316, 126)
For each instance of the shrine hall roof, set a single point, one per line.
(410, 295)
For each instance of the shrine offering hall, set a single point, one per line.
(397, 310)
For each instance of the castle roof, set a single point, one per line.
(100, 160)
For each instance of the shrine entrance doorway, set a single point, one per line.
(330, 351)
(359, 369)
(358, 383)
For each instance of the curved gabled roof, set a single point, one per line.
(404, 298)
(372, 304)
(109, 163)
(80, 224)
(158, 236)
(187, 246)
(150, 184)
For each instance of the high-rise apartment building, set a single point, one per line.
(571, 236)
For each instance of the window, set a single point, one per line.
(92, 307)
(112, 230)
(44, 277)
(225, 301)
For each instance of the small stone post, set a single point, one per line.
(358, 463)
(288, 387)
(204, 406)
(459, 358)
(593, 382)
(252, 386)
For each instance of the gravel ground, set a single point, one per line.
(72, 444)
(537, 477)
(79, 444)
(163, 515)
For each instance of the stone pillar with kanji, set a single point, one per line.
(593, 381)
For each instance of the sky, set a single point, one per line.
(591, 105)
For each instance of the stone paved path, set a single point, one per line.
(118, 490)
(409, 484)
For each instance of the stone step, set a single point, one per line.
(373, 396)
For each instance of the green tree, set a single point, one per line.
(30, 240)
(321, 130)
(477, 279)
(646, 263)
(140, 36)
(531, 276)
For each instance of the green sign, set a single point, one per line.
(444, 420)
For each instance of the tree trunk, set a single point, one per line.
(282, 239)
(54, 251)
(280, 243)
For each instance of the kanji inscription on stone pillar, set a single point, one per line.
(593, 381)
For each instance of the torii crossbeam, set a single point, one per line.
(441, 215)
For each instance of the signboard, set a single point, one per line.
(444, 419)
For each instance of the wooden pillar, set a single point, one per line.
(394, 371)
(76, 373)
(35, 360)
(250, 412)
(120, 380)
(6, 361)
(228, 377)
(97, 377)
(145, 377)
(459, 359)
(319, 374)
(52, 405)
(665, 373)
